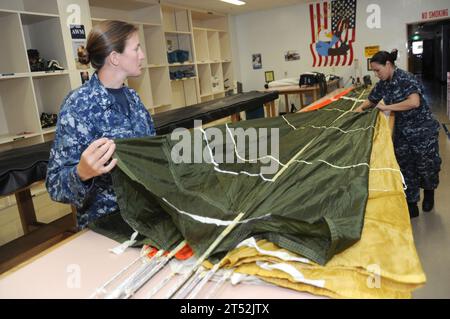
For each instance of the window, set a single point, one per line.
(417, 47)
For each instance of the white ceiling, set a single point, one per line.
(223, 7)
(207, 5)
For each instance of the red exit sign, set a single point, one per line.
(435, 14)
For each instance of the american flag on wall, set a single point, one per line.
(332, 41)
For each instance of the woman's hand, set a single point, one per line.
(365, 105)
(383, 107)
(93, 159)
(359, 109)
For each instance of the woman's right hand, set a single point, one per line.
(360, 109)
(93, 159)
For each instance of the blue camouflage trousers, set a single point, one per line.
(417, 153)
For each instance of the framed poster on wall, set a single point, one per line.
(269, 76)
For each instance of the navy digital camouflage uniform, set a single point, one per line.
(415, 135)
(87, 114)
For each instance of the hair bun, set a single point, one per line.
(83, 55)
(394, 54)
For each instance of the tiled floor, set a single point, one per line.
(432, 230)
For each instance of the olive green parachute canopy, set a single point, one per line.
(312, 203)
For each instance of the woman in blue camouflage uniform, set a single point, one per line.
(416, 131)
(92, 116)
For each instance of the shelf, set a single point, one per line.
(201, 45)
(208, 29)
(213, 45)
(14, 76)
(4, 139)
(184, 79)
(136, 12)
(141, 84)
(148, 24)
(175, 19)
(225, 48)
(179, 42)
(49, 130)
(207, 20)
(205, 95)
(160, 86)
(44, 34)
(227, 71)
(14, 59)
(177, 32)
(204, 76)
(49, 7)
(145, 24)
(181, 64)
(154, 43)
(33, 18)
(18, 111)
(48, 73)
(217, 74)
(156, 66)
(50, 92)
(184, 93)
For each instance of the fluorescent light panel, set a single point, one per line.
(236, 2)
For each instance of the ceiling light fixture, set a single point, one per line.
(236, 2)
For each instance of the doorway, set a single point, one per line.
(429, 50)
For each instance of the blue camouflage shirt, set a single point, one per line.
(396, 90)
(87, 114)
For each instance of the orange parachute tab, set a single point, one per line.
(185, 253)
(326, 102)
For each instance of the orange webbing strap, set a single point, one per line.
(326, 102)
(185, 253)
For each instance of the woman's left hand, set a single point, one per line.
(382, 107)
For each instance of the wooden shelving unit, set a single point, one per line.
(213, 54)
(42, 25)
(24, 95)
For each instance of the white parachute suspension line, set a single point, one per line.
(351, 110)
(217, 169)
(249, 160)
(209, 220)
(329, 127)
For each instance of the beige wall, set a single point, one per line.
(275, 31)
